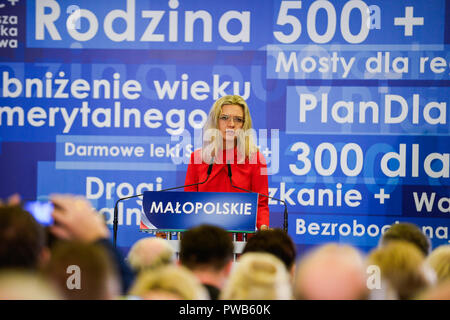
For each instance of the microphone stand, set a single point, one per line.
(285, 215)
(116, 211)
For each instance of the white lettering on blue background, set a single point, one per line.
(225, 208)
(49, 24)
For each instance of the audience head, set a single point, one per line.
(22, 239)
(402, 267)
(407, 232)
(439, 261)
(83, 271)
(331, 272)
(150, 253)
(80, 269)
(438, 292)
(170, 282)
(276, 242)
(25, 285)
(258, 276)
(206, 247)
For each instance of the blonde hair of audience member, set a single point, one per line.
(21, 285)
(150, 253)
(170, 282)
(439, 292)
(402, 265)
(331, 272)
(439, 261)
(258, 276)
(213, 142)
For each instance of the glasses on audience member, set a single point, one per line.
(227, 118)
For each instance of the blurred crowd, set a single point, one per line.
(73, 258)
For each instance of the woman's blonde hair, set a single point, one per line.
(171, 279)
(403, 267)
(258, 276)
(212, 138)
(439, 260)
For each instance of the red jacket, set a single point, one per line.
(244, 175)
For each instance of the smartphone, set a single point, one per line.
(41, 211)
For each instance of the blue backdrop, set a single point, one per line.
(349, 100)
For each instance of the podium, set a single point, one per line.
(175, 212)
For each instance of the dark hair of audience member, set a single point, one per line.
(407, 232)
(22, 239)
(206, 245)
(274, 241)
(98, 274)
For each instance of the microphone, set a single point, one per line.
(285, 222)
(116, 211)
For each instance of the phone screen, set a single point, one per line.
(41, 211)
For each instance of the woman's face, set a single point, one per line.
(231, 118)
